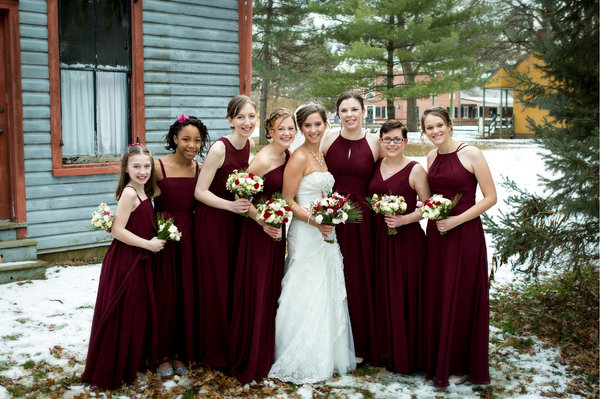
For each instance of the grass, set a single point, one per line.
(12, 337)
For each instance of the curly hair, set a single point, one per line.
(179, 124)
(276, 116)
(237, 103)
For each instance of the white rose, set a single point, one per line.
(319, 219)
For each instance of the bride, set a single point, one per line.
(313, 338)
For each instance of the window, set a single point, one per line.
(417, 113)
(384, 112)
(377, 112)
(96, 83)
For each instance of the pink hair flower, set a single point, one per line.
(182, 118)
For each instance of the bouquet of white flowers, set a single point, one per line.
(334, 209)
(437, 208)
(166, 228)
(244, 184)
(388, 204)
(275, 212)
(103, 217)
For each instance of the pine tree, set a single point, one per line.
(559, 229)
(383, 39)
(287, 48)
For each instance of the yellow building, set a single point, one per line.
(503, 81)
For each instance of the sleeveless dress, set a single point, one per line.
(351, 164)
(174, 271)
(456, 289)
(124, 308)
(217, 233)
(313, 338)
(257, 285)
(399, 267)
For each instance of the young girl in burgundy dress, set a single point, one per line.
(125, 303)
(217, 224)
(351, 154)
(174, 272)
(399, 258)
(456, 284)
(260, 259)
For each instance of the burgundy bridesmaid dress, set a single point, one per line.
(174, 271)
(257, 286)
(456, 289)
(124, 308)
(351, 164)
(399, 266)
(217, 233)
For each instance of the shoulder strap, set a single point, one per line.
(197, 168)
(136, 193)
(162, 168)
(287, 154)
(461, 146)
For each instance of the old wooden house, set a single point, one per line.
(82, 79)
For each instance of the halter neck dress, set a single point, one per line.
(456, 284)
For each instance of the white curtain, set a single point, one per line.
(111, 111)
(77, 112)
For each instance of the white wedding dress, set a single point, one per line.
(313, 338)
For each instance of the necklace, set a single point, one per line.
(320, 162)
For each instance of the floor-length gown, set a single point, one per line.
(313, 338)
(351, 164)
(257, 285)
(174, 271)
(123, 322)
(456, 290)
(217, 234)
(399, 267)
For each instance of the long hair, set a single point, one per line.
(151, 187)
(437, 111)
(237, 103)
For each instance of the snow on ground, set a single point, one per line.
(48, 322)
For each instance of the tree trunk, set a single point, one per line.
(412, 124)
(265, 85)
(391, 110)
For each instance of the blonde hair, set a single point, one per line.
(151, 187)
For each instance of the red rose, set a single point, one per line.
(279, 212)
(256, 185)
(287, 208)
(237, 181)
(250, 175)
(285, 220)
(266, 215)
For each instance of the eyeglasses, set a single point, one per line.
(396, 140)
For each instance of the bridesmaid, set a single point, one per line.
(399, 259)
(456, 290)
(351, 154)
(174, 273)
(259, 268)
(217, 226)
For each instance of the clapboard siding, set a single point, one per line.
(191, 66)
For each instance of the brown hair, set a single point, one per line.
(237, 103)
(151, 187)
(347, 95)
(437, 111)
(307, 110)
(276, 116)
(391, 125)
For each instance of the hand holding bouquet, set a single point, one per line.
(334, 209)
(103, 217)
(244, 184)
(388, 204)
(166, 228)
(437, 208)
(275, 212)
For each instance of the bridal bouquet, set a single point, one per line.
(388, 204)
(275, 212)
(334, 209)
(244, 184)
(166, 228)
(103, 217)
(437, 208)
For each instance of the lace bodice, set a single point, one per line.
(311, 187)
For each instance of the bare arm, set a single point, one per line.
(373, 141)
(418, 181)
(474, 160)
(127, 203)
(214, 160)
(292, 176)
(328, 139)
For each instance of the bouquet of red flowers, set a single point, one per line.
(334, 209)
(275, 212)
